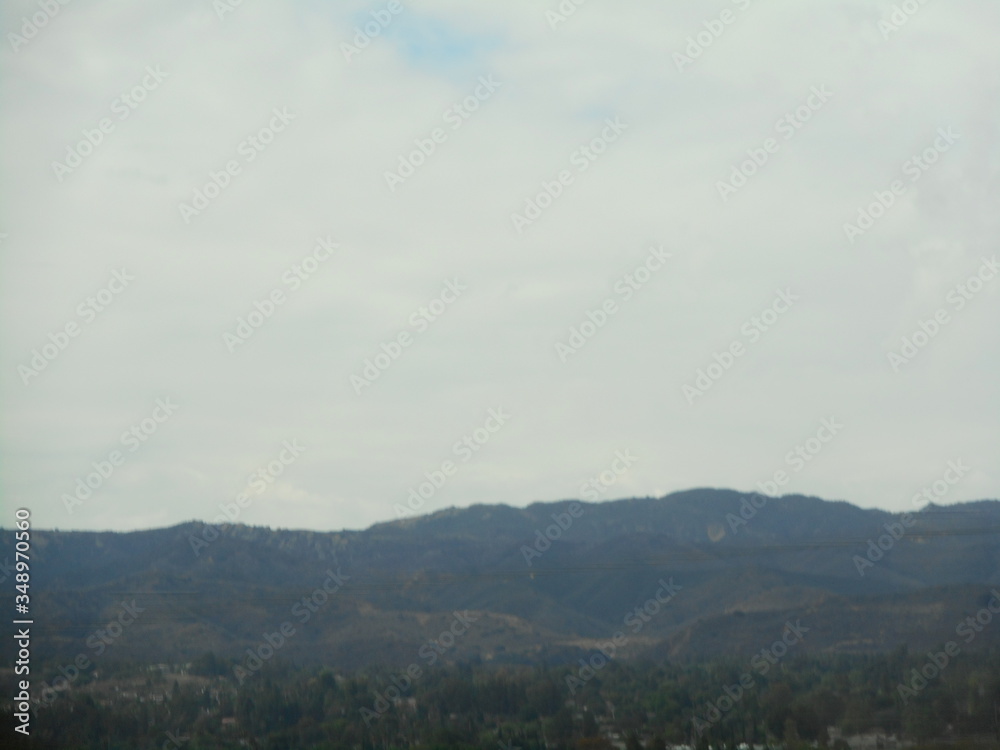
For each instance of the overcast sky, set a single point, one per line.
(622, 111)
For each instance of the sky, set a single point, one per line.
(312, 265)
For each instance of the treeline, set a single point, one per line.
(718, 704)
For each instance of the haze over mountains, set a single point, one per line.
(693, 574)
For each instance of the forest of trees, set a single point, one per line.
(642, 705)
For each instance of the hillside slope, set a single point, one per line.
(534, 590)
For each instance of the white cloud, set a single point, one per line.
(495, 346)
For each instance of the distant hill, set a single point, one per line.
(740, 578)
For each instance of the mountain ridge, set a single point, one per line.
(544, 579)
